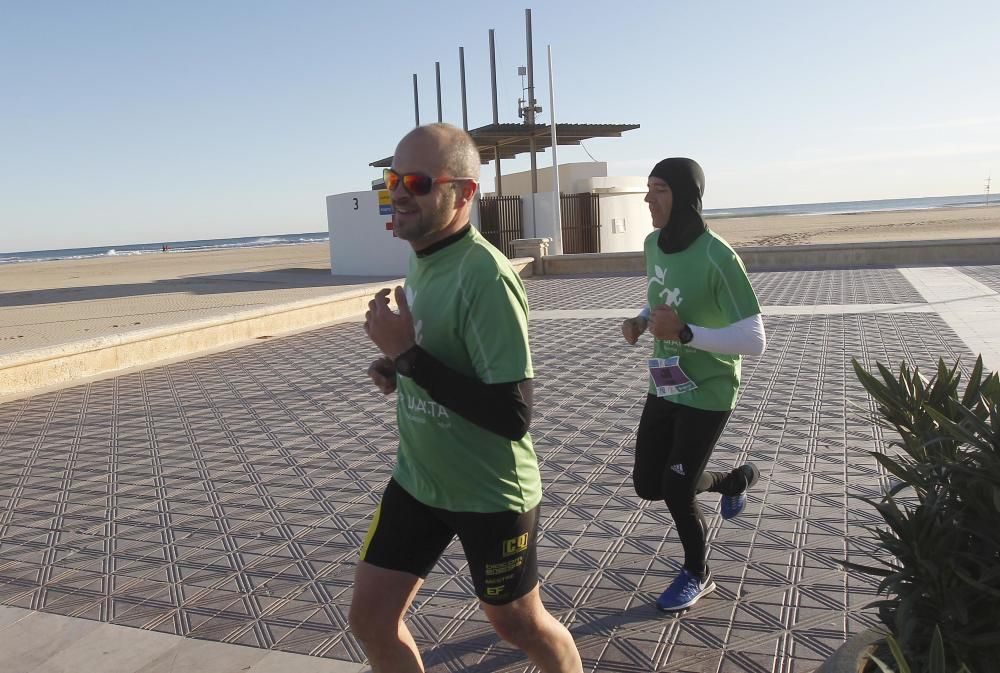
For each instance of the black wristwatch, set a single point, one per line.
(684, 336)
(406, 362)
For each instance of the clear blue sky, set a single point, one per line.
(127, 122)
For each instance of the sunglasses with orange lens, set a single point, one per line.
(416, 184)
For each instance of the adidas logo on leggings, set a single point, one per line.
(679, 469)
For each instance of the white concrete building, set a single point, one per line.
(624, 216)
(362, 241)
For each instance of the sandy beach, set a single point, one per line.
(904, 225)
(158, 267)
(47, 303)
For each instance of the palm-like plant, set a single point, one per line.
(940, 570)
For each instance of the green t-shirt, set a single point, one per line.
(470, 312)
(708, 286)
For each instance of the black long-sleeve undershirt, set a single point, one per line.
(502, 408)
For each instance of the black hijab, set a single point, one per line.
(687, 182)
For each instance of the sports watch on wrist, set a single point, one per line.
(406, 362)
(685, 335)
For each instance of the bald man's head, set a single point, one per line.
(439, 151)
(448, 150)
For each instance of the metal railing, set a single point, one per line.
(500, 221)
(581, 223)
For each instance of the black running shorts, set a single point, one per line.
(409, 536)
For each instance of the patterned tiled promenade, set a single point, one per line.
(182, 512)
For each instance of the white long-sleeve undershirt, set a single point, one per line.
(743, 337)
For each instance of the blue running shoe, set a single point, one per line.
(733, 505)
(684, 592)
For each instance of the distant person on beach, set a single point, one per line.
(703, 315)
(457, 356)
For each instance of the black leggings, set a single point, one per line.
(672, 448)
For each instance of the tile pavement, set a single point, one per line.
(224, 498)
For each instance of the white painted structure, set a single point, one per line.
(361, 240)
(625, 220)
(571, 178)
(362, 244)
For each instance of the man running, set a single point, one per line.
(457, 356)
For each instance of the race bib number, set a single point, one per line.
(668, 377)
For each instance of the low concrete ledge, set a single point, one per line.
(524, 267)
(792, 257)
(882, 253)
(65, 364)
(533, 248)
(594, 262)
(23, 373)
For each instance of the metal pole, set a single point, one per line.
(465, 107)
(557, 196)
(416, 102)
(530, 117)
(496, 113)
(493, 77)
(530, 121)
(437, 77)
(496, 161)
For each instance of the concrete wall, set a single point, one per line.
(888, 253)
(625, 220)
(29, 372)
(600, 262)
(571, 176)
(69, 364)
(791, 257)
(544, 223)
